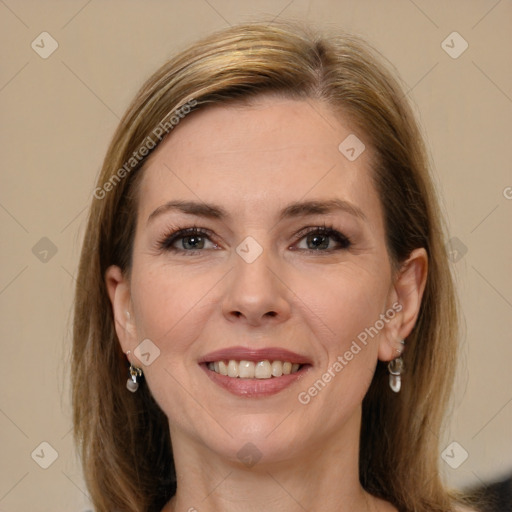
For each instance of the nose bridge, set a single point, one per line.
(255, 291)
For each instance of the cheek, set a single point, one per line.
(343, 311)
(172, 307)
(342, 303)
(168, 304)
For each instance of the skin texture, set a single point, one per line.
(253, 160)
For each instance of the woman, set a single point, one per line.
(264, 270)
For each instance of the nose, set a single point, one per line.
(256, 293)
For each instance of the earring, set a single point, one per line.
(396, 368)
(132, 384)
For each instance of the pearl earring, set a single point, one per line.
(135, 372)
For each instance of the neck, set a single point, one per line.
(324, 478)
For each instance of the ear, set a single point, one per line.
(118, 288)
(406, 294)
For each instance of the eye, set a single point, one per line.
(193, 240)
(186, 240)
(323, 239)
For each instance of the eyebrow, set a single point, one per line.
(296, 209)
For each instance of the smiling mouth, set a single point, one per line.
(244, 369)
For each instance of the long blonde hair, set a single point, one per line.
(124, 438)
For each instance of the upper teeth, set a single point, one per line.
(251, 370)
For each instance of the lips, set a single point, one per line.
(255, 387)
(255, 355)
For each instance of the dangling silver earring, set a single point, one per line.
(132, 384)
(396, 368)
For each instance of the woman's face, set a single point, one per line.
(290, 256)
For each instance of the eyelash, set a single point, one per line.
(167, 241)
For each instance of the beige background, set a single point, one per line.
(59, 113)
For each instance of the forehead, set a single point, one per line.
(255, 157)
